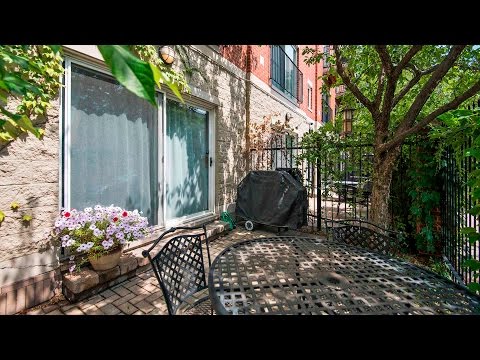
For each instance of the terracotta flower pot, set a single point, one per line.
(107, 261)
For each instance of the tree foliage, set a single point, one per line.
(400, 89)
(29, 80)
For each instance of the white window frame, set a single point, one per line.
(65, 145)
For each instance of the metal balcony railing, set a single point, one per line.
(285, 74)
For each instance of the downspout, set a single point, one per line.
(248, 87)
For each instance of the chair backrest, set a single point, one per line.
(364, 234)
(179, 266)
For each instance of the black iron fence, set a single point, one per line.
(339, 182)
(455, 202)
(339, 186)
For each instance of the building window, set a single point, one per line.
(285, 74)
(168, 177)
(326, 109)
(309, 96)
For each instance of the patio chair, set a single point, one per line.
(179, 269)
(364, 234)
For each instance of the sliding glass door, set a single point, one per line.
(113, 145)
(187, 161)
(121, 150)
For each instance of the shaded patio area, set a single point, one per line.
(141, 294)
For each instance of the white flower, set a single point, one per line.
(97, 232)
(106, 244)
(70, 242)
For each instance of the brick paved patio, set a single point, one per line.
(141, 294)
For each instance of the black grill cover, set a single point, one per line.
(272, 198)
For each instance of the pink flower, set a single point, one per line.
(124, 214)
(115, 219)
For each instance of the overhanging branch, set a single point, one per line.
(474, 89)
(348, 83)
(428, 88)
(417, 76)
(406, 59)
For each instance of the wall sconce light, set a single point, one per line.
(288, 117)
(347, 120)
(167, 53)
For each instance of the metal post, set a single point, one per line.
(319, 191)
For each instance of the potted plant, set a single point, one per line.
(99, 232)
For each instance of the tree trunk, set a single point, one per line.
(383, 166)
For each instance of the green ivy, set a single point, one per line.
(30, 77)
(424, 191)
(454, 128)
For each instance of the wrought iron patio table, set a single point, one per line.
(302, 275)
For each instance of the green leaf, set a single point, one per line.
(136, 75)
(474, 286)
(171, 85)
(3, 97)
(25, 123)
(473, 152)
(160, 77)
(5, 136)
(473, 264)
(20, 86)
(14, 205)
(55, 48)
(11, 129)
(474, 210)
(473, 238)
(468, 230)
(476, 193)
(27, 218)
(2, 216)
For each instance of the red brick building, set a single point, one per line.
(281, 71)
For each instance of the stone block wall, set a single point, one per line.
(29, 175)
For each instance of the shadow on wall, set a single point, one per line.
(230, 117)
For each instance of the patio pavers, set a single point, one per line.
(141, 294)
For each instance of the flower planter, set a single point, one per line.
(107, 261)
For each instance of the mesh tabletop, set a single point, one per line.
(300, 275)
